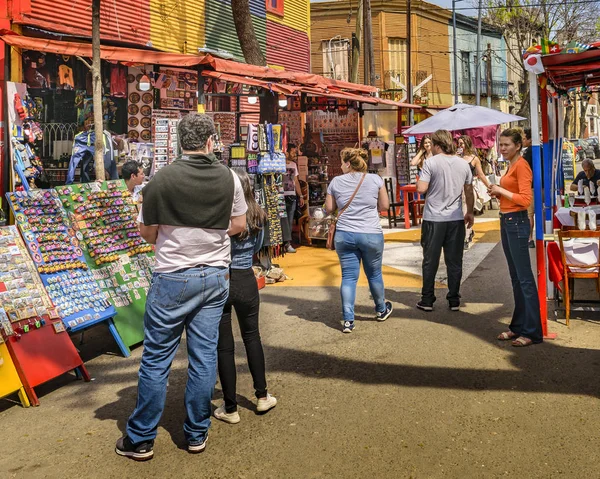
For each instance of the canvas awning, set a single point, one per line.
(279, 81)
(573, 70)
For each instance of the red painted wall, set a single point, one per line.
(287, 47)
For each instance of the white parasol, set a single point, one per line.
(462, 117)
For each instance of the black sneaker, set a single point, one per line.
(198, 448)
(454, 305)
(424, 306)
(142, 451)
(386, 314)
(348, 326)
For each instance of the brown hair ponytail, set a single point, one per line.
(357, 157)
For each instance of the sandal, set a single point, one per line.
(507, 336)
(522, 342)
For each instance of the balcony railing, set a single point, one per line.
(498, 88)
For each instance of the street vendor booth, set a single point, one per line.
(570, 232)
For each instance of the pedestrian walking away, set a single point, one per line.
(292, 193)
(244, 298)
(359, 237)
(190, 208)
(515, 196)
(469, 154)
(444, 177)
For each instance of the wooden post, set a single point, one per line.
(97, 93)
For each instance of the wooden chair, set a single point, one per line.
(391, 212)
(591, 270)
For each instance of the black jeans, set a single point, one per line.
(526, 320)
(244, 297)
(287, 224)
(449, 236)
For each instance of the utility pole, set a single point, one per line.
(489, 89)
(356, 39)
(369, 54)
(365, 44)
(478, 57)
(409, 84)
(97, 93)
(454, 52)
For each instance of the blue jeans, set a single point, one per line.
(526, 321)
(192, 299)
(351, 249)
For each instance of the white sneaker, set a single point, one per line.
(228, 417)
(264, 404)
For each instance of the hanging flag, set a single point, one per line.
(549, 47)
(575, 47)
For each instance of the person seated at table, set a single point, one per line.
(589, 173)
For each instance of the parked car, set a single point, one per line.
(596, 144)
(584, 149)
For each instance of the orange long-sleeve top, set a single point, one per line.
(517, 180)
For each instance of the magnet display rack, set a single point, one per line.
(30, 326)
(104, 219)
(54, 248)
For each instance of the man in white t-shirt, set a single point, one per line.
(291, 191)
(190, 209)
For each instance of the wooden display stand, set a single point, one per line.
(9, 378)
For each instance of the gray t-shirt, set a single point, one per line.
(362, 215)
(447, 176)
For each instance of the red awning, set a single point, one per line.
(114, 54)
(228, 66)
(280, 81)
(572, 70)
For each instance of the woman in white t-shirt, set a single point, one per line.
(359, 236)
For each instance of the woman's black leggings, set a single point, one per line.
(244, 297)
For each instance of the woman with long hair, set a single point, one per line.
(244, 297)
(469, 153)
(423, 153)
(515, 196)
(358, 236)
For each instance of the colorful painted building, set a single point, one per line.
(334, 23)
(281, 26)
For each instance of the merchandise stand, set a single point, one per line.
(56, 251)
(37, 340)
(9, 378)
(104, 219)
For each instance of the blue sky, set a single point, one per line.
(442, 3)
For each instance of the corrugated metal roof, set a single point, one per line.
(174, 23)
(221, 33)
(122, 20)
(296, 14)
(287, 47)
(257, 7)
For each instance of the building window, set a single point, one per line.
(275, 6)
(336, 58)
(396, 75)
(465, 86)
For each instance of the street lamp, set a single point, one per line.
(454, 2)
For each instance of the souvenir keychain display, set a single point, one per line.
(120, 260)
(29, 323)
(53, 246)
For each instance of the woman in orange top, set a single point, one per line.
(515, 196)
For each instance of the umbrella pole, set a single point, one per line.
(537, 193)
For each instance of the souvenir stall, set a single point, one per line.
(30, 325)
(10, 382)
(103, 220)
(567, 234)
(50, 239)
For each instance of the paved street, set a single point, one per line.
(420, 396)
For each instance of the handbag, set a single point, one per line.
(271, 161)
(331, 232)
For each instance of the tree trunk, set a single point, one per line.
(583, 119)
(97, 93)
(568, 115)
(245, 32)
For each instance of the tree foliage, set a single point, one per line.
(526, 22)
